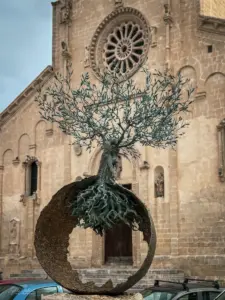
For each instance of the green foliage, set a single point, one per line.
(118, 111)
(115, 115)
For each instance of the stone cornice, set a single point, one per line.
(211, 24)
(22, 98)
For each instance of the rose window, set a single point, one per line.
(120, 43)
(124, 48)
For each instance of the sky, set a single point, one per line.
(25, 48)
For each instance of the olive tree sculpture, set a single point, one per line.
(114, 116)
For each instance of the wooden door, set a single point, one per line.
(118, 242)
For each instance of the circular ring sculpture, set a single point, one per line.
(52, 240)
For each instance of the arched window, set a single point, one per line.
(33, 178)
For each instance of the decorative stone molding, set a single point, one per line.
(86, 57)
(49, 132)
(23, 200)
(77, 149)
(121, 42)
(65, 51)
(210, 24)
(66, 12)
(200, 95)
(221, 150)
(145, 165)
(118, 3)
(32, 147)
(16, 161)
(167, 18)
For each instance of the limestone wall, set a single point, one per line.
(189, 217)
(213, 8)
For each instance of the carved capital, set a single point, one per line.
(16, 161)
(23, 199)
(145, 165)
(167, 18)
(49, 132)
(32, 147)
(86, 57)
(201, 95)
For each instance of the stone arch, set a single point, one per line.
(159, 182)
(189, 72)
(195, 66)
(23, 145)
(40, 134)
(215, 89)
(210, 76)
(7, 157)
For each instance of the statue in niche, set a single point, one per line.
(66, 12)
(77, 149)
(65, 50)
(14, 237)
(86, 57)
(159, 186)
(153, 33)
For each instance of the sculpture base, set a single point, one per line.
(137, 296)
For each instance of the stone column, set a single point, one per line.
(1, 205)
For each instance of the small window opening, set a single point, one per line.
(210, 49)
(33, 178)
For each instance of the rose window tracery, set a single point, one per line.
(124, 48)
(120, 43)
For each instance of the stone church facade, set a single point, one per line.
(184, 189)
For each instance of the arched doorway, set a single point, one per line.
(118, 243)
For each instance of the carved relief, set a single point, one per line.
(159, 183)
(118, 3)
(153, 30)
(86, 57)
(145, 165)
(125, 52)
(66, 12)
(14, 236)
(65, 51)
(23, 199)
(77, 149)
